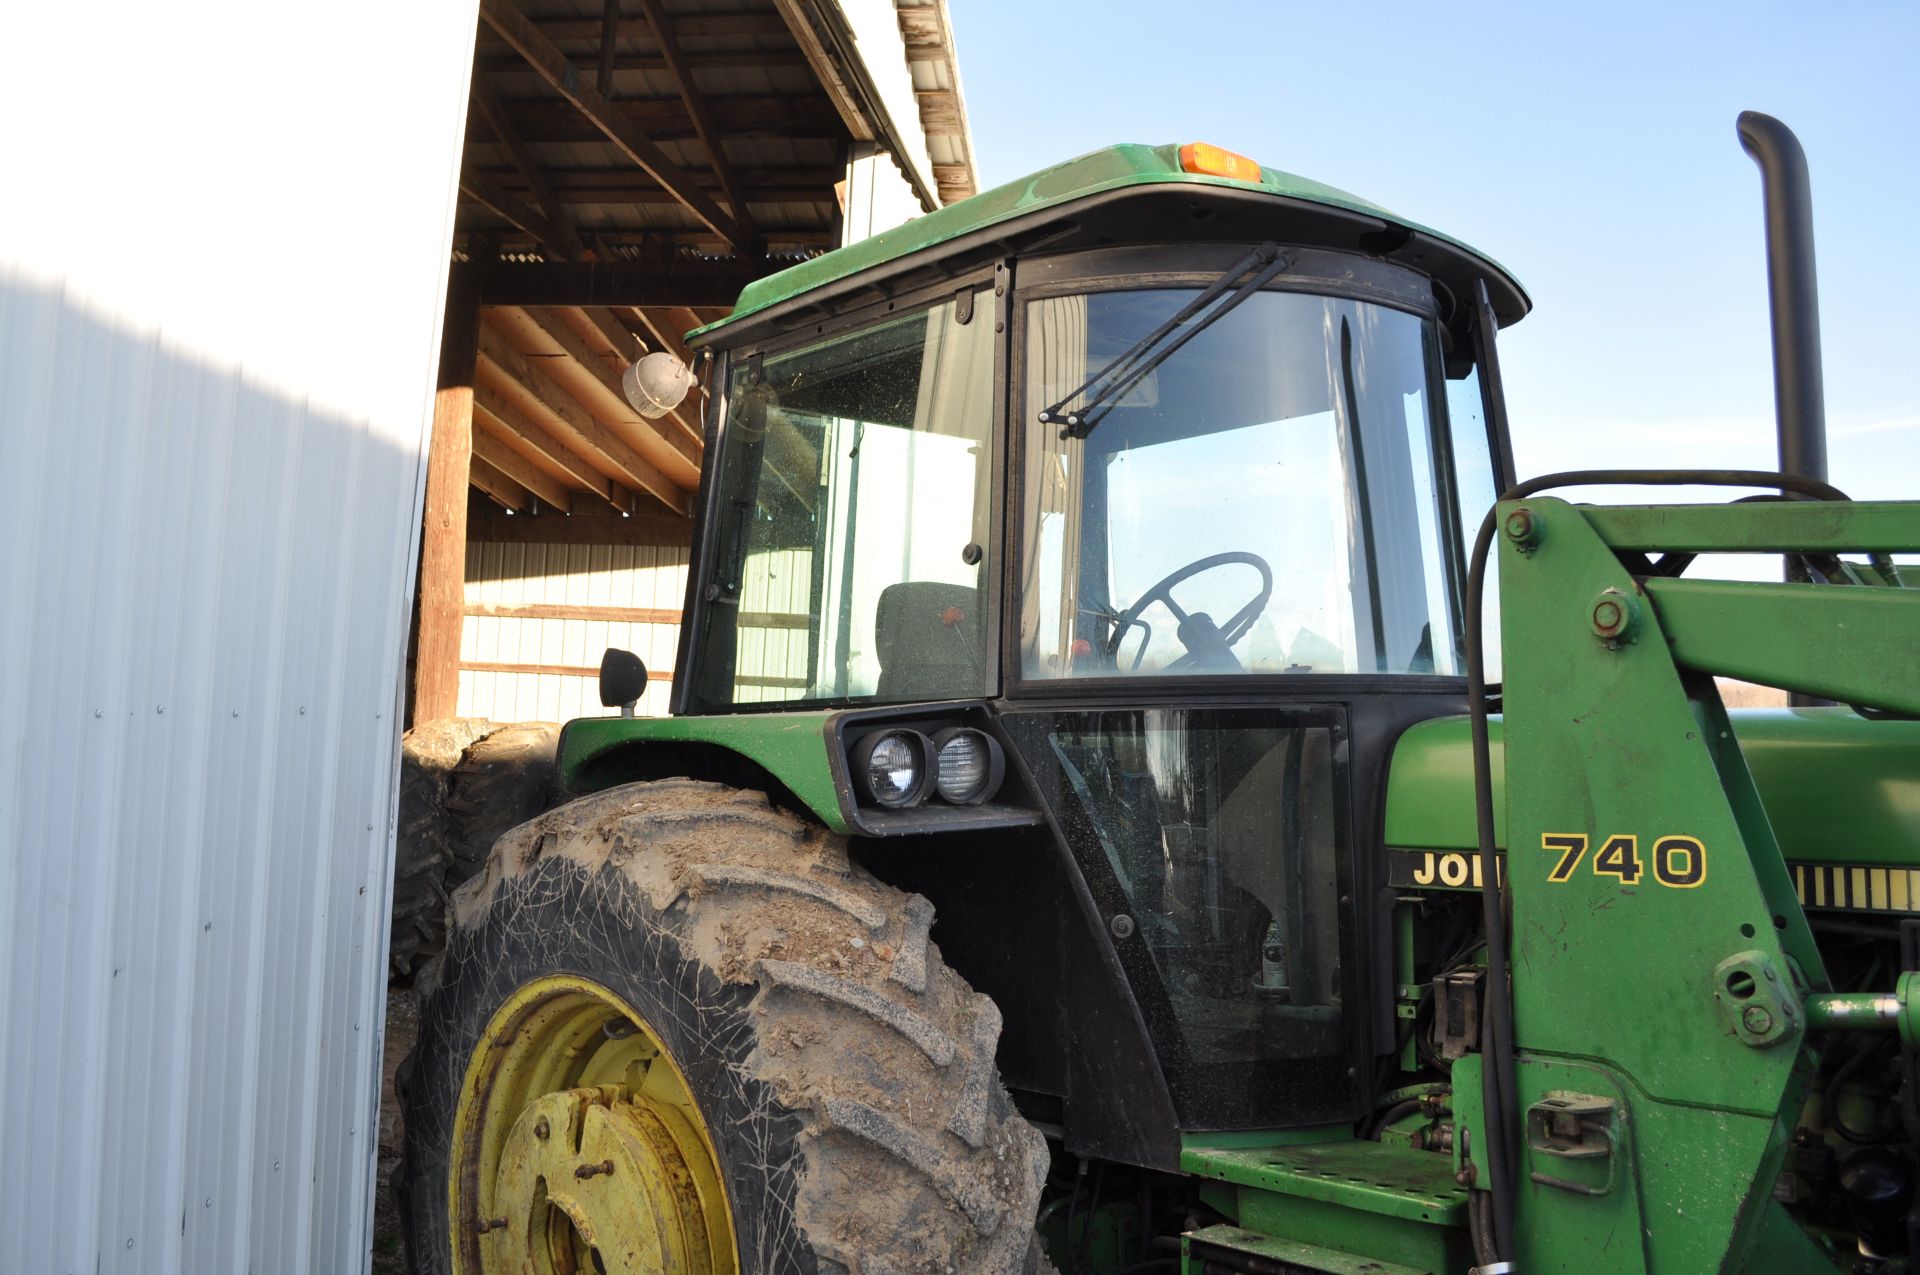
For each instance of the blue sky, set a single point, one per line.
(1592, 151)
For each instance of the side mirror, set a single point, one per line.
(623, 679)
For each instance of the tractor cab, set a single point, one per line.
(1165, 463)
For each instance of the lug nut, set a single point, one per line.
(491, 1224)
(586, 1171)
(541, 1129)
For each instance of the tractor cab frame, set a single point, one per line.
(1160, 483)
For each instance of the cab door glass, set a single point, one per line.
(854, 517)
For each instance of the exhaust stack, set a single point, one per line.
(1794, 295)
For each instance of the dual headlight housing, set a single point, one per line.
(895, 768)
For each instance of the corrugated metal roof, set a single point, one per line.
(766, 104)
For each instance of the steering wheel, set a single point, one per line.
(1207, 643)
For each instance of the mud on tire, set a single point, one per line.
(846, 1074)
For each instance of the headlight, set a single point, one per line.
(968, 765)
(891, 767)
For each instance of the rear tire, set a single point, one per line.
(423, 846)
(504, 779)
(845, 1074)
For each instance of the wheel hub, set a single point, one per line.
(579, 1150)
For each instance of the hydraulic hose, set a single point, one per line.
(1497, 1085)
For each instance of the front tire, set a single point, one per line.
(840, 1075)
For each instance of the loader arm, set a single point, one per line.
(1668, 998)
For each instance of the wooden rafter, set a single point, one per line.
(563, 415)
(590, 524)
(757, 22)
(609, 36)
(663, 333)
(513, 209)
(630, 186)
(492, 407)
(697, 283)
(697, 109)
(492, 57)
(616, 333)
(688, 415)
(497, 485)
(495, 451)
(605, 384)
(566, 241)
(665, 118)
(560, 74)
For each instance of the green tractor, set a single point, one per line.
(1094, 834)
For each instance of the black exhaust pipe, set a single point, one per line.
(1799, 394)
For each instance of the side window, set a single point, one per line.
(1474, 480)
(850, 555)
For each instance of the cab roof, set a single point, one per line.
(1102, 172)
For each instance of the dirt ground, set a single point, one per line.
(403, 1022)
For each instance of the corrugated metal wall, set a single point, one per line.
(539, 617)
(221, 265)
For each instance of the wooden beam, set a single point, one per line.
(614, 332)
(496, 484)
(493, 451)
(739, 22)
(665, 118)
(676, 282)
(493, 56)
(565, 670)
(565, 240)
(564, 611)
(443, 535)
(591, 524)
(575, 424)
(703, 124)
(609, 35)
(817, 48)
(500, 203)
(612, 396)
(632, 188)
(763, 183)
(636, 248)
(553, 67)
(490, 405)
(682, 320)
(663, 334)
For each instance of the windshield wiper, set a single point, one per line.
(1110, 384)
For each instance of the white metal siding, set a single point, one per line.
(589, 582)
(221, 264)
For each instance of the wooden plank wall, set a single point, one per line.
(539, 617)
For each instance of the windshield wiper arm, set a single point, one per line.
(1123, 373)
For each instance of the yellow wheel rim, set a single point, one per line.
(578, 1148)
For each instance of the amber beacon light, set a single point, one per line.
(1199, 157)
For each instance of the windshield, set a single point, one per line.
(1278, 496)
(852, 518)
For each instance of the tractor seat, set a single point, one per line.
(928, 637)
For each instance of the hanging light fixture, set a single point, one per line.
(656, 384)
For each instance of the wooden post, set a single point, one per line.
(443, 541)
